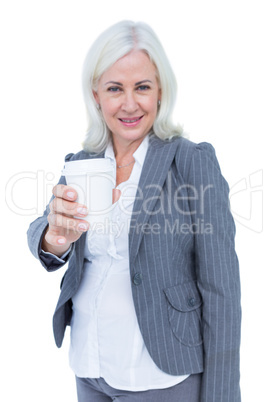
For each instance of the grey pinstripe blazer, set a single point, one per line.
(183, 266)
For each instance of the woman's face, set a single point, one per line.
(128, 94)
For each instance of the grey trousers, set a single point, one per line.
(97, 390)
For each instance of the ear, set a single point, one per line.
(160, 94)
(96, 96)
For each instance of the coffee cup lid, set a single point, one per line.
(87, 166)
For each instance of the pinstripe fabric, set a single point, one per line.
(184, 270)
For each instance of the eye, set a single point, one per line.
(143, 87)
(114, 89)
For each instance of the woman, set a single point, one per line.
(154, 309)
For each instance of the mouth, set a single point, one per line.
(131, 122)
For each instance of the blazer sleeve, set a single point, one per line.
(218, 279)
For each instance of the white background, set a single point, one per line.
(218, 50)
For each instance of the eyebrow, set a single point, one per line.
(119, 83)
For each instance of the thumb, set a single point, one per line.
(116, 195)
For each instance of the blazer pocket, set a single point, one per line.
(184, 313)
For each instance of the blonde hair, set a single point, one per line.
(114, 43)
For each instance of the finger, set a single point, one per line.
(67, 223)
(61, 206)
(66, 192)
(54, 239)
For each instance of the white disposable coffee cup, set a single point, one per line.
(94, 180)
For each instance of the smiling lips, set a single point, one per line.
(131, 122)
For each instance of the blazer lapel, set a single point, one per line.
(158, 160)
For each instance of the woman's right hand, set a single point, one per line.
(64, 229)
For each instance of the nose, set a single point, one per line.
(130, 104)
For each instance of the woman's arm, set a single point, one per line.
(57, 229)
(217, 278)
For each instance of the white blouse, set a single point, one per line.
(105, 336)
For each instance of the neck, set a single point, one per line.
(124, 151)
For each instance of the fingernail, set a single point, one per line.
(61, 241)
(82, 211)
(82, 227)
(70, 194)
